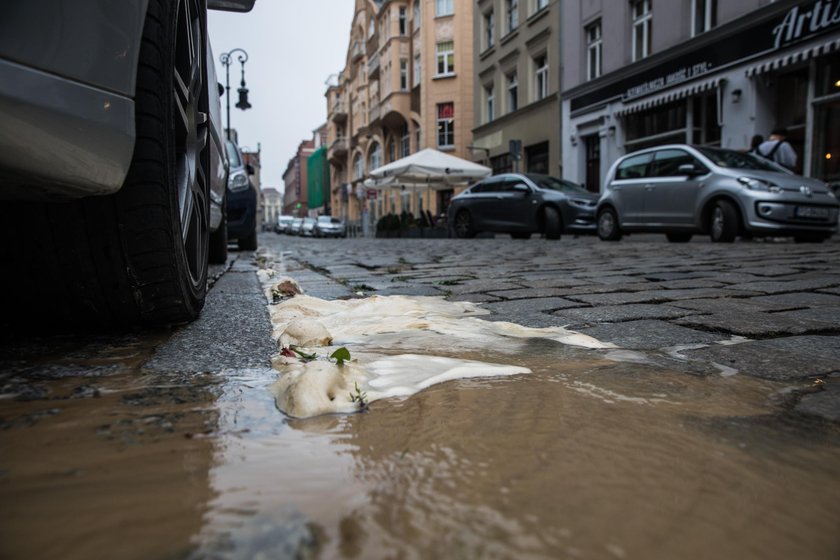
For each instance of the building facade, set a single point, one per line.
(517, 64)
(272, 205)
(296, 191)
(407, 85)
(707, 72)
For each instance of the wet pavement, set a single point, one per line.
(713, 431)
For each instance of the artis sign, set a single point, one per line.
(800, 22)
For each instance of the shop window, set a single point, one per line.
(828, 76)
(501, 164)
(656, 126)
(642, 20)
(536, 158)
(634, 167)
(706, 130)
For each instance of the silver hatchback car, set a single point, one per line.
(681, 190)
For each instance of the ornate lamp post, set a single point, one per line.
(227, 59)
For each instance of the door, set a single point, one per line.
(671, 197)
(512, 210)
(628, 188)
(593, 162)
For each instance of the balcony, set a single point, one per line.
(338, 112)
(337, 151)
(357, 51)
(373, 66)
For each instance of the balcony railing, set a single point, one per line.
(338, 111)
(338, 147)
(357, 50)
(373, 66)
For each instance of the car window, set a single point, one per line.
(491, 186)
(324, 219)
(554, 184)
(634, 167)
(739, 160)
(666, 163)
(508, 186)
(233, 155)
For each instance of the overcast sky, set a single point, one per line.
(293, 46)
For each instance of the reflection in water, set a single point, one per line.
(583, 458)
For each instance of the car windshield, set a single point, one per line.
(731, 159)
(309, 221)
(233, 155)
(326, 220)
(555, 184)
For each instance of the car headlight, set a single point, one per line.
(582, 203)
(756, 184)
(238, 181)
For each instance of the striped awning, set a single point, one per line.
(794, 56)
(672, 94)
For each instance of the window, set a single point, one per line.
(667, 163)
(512, 92)
(371, 28)
(446, 125)
(446, 58)
(392, 150)
(359, 166)
(593, 51)
(539, 5)
(403, 74)
(416, 19)
(489, 38)
(402, 21)
(634, 167)
(703, 15)
(417, 136)
(490, 103)
(501, 164)
(405, 142)
(417, 70)
(540, 77)
(641, 29)
(376, 157)
(444, 7)
(512, 11)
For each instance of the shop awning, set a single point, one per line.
(673, 94)
(794, 56)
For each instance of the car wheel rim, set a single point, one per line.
(717, 223)
(606, 224)
(462, 224)
(190, 138)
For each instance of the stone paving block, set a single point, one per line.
(769, 270)
(404, 290)
(529, 312)
(727, 305)
(754, 324)
(824, 403)
(613, 298)
(800, 299)
(830, 290)
(620, 313)
(690, 284)
(477, 286)
(733, 277)
(830, 315)
(474, 298)
(527, 293)
(649, 334)
(668, 276)
(780, 359)
(654, 296)
(777, 287)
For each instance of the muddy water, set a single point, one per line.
(583, 458)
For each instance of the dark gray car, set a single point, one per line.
(682, 190)
(522, 204)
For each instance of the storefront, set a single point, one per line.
(779, 67)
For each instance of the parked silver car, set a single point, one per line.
(327, 226)
(112, 164)
(521, 204)
(682, 190)
(307, 227)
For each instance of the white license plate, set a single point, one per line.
(812, 212)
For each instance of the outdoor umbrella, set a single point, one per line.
(427, 168)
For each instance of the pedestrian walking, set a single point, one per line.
(778, 149)
(757, 141)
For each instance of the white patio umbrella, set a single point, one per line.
(427, 168)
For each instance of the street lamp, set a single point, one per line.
(227, 59)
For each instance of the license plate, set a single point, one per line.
(812, 212)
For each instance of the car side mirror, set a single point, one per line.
(221, 89)
(522, 188)
(690, 169)
(231, 5)
(249, 168)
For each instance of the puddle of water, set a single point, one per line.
(585, 457)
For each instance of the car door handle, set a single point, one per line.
(649, 187)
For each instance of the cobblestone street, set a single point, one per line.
(763, 309)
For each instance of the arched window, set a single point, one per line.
(359, 167)
(375, 160)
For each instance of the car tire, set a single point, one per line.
(248, 243)
(723, 222)
(552, 225)
(464, 225)
(608, 228)
(520, 235)
(125, 259)
(679, 237)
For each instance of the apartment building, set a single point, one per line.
(295, 181)
(648, 72)
(517, 64)
(407, 85)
